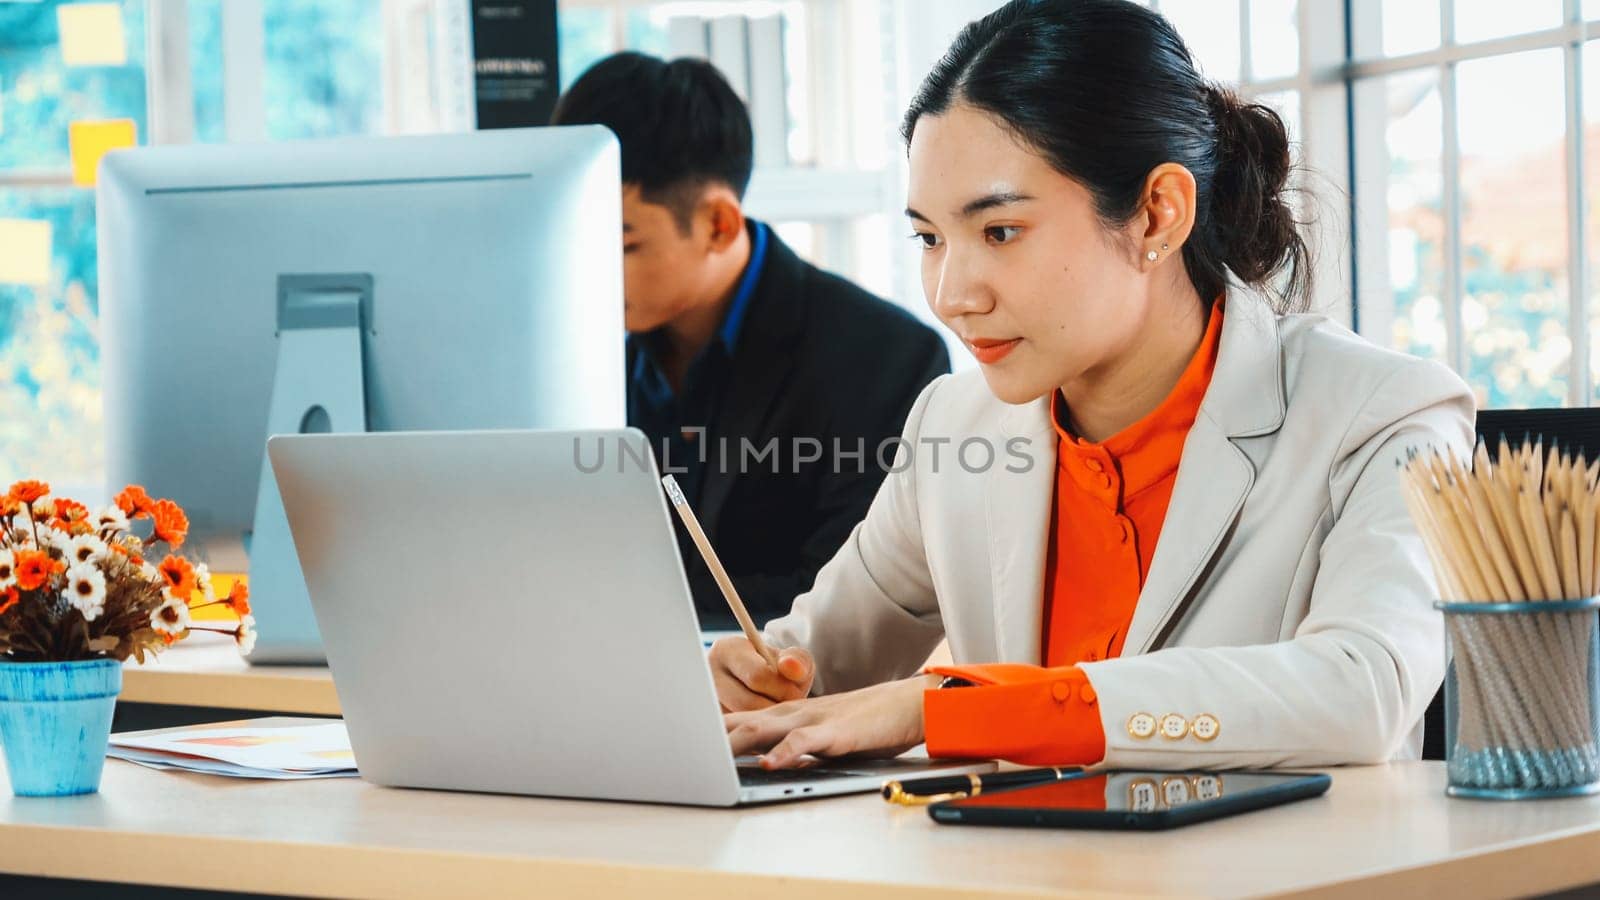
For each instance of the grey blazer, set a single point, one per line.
(1289, 598)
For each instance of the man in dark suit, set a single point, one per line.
(772, 390)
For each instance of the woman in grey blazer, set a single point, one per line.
(1084, 200)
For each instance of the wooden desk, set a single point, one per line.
(206, 670)
(1385, 831)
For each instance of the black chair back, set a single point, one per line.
(1571, 429)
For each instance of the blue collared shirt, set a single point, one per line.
(663, 414)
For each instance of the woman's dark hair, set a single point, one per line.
(680, 125)
(1106, 91)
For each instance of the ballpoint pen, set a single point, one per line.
(922, 791)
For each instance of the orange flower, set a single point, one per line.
(238, 598)
(28, 491)
(9, 507)
(70, 510)
(172, 525)
(9, 598)
(179, 575)
(34, 568)
(170, 639)
(133, 501)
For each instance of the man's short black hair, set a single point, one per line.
(680, 124)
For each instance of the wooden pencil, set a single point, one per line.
(729, 592)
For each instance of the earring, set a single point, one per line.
(1151, 256)
(1163, 248)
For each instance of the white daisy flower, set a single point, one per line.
(8, 569)
(86, 590)
(110, 519)
(202, 578)
(171, 617)
(246, 635)
(52, 537)
(85, 548)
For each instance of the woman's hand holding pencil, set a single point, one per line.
(747, 673)
(751, 678)
(745, 682)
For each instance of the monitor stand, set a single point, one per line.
(318, 388)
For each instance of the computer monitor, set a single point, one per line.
(449, 282)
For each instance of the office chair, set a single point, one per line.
(1571, 429)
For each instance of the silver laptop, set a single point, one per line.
(507, 612)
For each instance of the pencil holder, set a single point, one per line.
(1521, 719)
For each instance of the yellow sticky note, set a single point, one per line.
(221, 584)
(91, 34)
(90, 141)
(24, 251)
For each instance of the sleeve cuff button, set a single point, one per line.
(1142, 725)
(1173, 726)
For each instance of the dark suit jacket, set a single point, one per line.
(819, 358)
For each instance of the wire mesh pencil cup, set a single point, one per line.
(1521, 714)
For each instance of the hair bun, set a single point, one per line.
(1257, 228)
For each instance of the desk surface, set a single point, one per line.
(1380, 832)
(206, 670)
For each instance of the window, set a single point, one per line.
(287, 69)
(1253, 46)
(323, 72)
(1263, 49)
(1464, 131)
(60, 64)
(1408, 140)
(1469, 121)
(822, 151)
(1211, 30)
(320, 71)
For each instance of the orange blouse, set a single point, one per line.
(1110, 501)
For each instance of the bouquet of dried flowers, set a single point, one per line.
(76, 585)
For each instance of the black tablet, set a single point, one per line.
(1129, 800)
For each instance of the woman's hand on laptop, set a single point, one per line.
(882, 720)
(744, 681)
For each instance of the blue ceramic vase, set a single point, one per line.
(55, 722)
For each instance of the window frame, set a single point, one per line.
(1373, 303)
